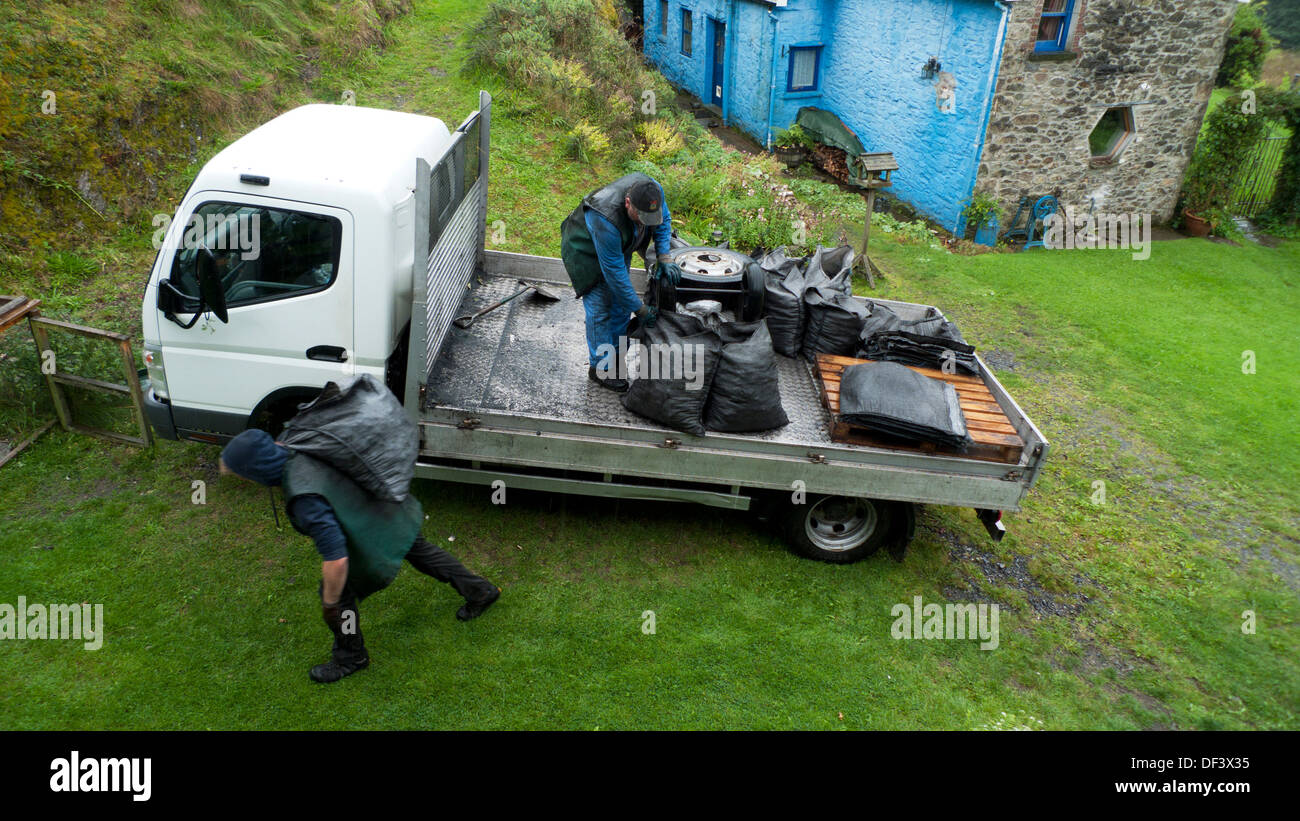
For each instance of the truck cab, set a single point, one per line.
(287, 264)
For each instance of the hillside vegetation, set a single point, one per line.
(102, 102)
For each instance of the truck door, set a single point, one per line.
(286, 270)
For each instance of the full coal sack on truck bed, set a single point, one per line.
(834, 317)
(784, 282)
(675, 368)
(831, 269)
(746, 393)
(788, 282)
(834, 323)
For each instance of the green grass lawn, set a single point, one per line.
(1125, 614)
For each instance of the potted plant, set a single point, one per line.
(1195, 224)
(982, 212)
(1198, 202)
(792, 145)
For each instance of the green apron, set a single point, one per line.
(379, 533)
(577, 249)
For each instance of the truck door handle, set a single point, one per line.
(328, 353)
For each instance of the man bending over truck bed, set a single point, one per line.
(350, 527)
(597, 241)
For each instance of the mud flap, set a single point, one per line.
(903, 529)
(992, 521)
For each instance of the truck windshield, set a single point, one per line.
(261, 253)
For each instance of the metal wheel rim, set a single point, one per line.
(837, 524)
(710, 263)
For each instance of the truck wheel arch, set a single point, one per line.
(280, 405)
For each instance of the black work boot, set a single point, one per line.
(617, 385)
(331, 671)
(474, 608)
(349, 652)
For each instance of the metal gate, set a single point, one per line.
(1258, 177)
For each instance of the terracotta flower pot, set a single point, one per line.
(1196, 226)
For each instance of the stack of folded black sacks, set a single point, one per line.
(929, 342)
(810, 310)
(897, 401)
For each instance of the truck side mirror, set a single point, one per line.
(211, 292)
(170, 298)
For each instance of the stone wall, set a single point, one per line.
(1158, 56)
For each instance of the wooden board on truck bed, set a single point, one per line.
(995, 438)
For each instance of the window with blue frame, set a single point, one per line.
(663, 18)
(805, 66)
(686, 32)
(1054, 25)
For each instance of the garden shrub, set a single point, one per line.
(1220, 153)
(1284, 209)
(587, 143)
(659, 140)
(1248, 45)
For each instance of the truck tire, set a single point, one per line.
(274, 410)
(754, 295)
(839, 529)
(662, 295)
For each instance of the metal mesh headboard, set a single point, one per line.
(451, 201)
(451, 263)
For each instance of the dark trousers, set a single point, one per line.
(429, 559)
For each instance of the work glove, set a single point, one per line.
(670, 272)
(648, 315)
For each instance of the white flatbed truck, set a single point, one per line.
(372, 230)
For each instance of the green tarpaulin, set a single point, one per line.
(828, 129)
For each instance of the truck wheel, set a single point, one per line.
(662, 295)
(273, 411)
(838, 529)
(754, 295)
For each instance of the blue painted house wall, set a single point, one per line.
(870, 76)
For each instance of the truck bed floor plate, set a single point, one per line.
(530, 357)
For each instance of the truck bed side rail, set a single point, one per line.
(450, 224)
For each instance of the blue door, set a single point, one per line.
(719, 50)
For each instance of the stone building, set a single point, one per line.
(1102, 107)
(1099, 100)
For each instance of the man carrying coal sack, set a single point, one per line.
(597, 241)
(361, 540)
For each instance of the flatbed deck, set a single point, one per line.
(529, 357)
(510, 394)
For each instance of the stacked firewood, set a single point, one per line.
(833, 161)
